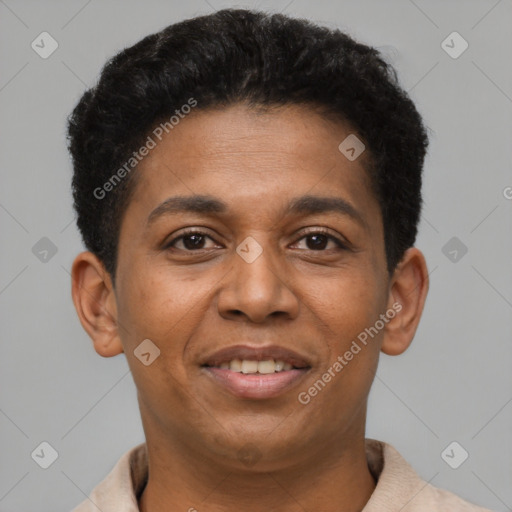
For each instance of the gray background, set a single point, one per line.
(454, 383)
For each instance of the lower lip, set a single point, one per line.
(256, 385)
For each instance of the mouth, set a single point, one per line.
(256, 373)
(248, 366)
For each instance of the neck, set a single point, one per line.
(334, 479)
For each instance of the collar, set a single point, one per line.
(398, 485)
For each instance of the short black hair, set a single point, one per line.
(244, 56)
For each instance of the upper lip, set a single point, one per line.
(256, 353)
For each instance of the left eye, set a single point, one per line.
(320, 240)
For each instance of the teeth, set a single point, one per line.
(266, 366)
(249, 366)
(235, 365)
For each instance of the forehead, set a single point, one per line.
(253, 158)
(238, 134)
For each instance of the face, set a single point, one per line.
(257, 272)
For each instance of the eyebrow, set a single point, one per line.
(303, 205)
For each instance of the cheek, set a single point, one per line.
(165, 309)
(347, 305)
(152, 304)
(349, 308)
(356, 305)
(150, 309)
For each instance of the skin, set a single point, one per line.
(191, 302)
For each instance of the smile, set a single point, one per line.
(247, 379)
(251, 366)
(255, 371)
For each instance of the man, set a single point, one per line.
(248, 188)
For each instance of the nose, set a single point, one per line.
(257, 289)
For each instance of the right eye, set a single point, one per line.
(192, 240)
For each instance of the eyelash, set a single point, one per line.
(317, 231)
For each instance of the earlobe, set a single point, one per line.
(94, 299)
(407, 295)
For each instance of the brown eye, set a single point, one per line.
(191, 241)
(319, 241)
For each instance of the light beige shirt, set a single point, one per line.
(399, 488)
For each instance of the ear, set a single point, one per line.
(408, 289)
(95, 303)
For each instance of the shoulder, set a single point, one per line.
(441, 499)
(399, 487)
(120, 489)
